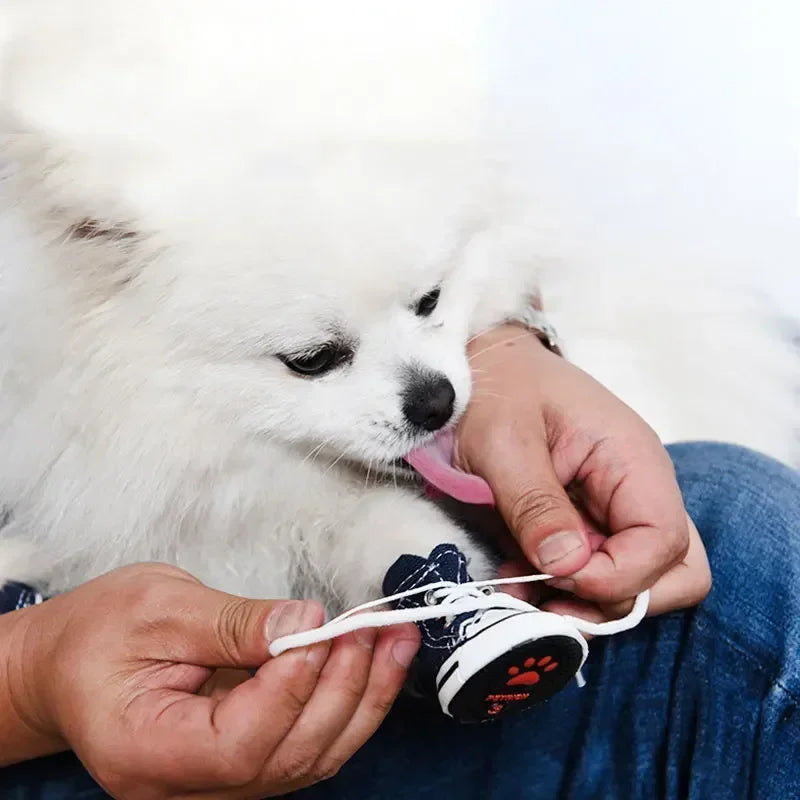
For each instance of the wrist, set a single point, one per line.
(533, 318)
(510, 334)
(28, 729)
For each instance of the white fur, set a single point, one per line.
(266, 176)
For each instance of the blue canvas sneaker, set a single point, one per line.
(14, 596)
(483, 653)
(504, 657)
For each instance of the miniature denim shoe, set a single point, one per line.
(505, 656)
(483, 653)
(14, 596)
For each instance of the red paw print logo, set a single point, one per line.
(531, 672)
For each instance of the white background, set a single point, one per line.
(664, 126)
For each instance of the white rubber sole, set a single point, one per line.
(510, 665)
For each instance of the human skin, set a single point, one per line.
(537, 424)
(142, 671)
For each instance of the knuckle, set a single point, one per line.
(619, 609)
(678, 542)
(148, 586)
(534, 506)
(143, 592)
(651, 436)
(150, 568)
(237, 770)
(294, 685)
(349, 689)
(231, 627)
(620, 598)
(113, 781)
(693, 591)
(325, 771)
(607, 589)
(292, 699)
(681, 536)
(381, 701)
(702, 587)
(139, 578)
(681, 552)
(297, 764)
(382, 706)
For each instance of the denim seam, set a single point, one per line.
(774, 681)
(415, 580)
(758, 613)
(788, 692)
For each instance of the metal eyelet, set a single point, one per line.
(430, 598)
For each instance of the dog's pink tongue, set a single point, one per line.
(435, 463)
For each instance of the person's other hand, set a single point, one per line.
(122, 671)
(584, 484)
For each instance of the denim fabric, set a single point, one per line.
(58, 777)
(439, 640)
(14, 596)
(700, 705)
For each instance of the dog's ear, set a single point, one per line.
(105, 256)
(107, 253)
(104, 252)
(88, 229)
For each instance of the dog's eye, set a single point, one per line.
(427, 303)
(319, 362)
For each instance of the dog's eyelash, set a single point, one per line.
(426, 305)
(88, 229)
(319, 361)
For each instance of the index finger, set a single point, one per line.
(638, 501)
(253, 720)
(200, 743)
(685, 585)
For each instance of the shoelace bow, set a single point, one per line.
(448, 599)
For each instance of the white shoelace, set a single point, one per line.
(447, 599)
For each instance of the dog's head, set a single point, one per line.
(330, 304)
(298, 244)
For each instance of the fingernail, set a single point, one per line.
(558, 546)
(365, 637)
(404, 650)
(317, 654)
(563, 584)
(292, 616)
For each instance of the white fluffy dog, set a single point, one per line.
(242, 249)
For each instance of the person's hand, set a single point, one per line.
(583, 483)
(122, 671)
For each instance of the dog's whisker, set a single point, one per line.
(498, 344)
(485, 379)
(335, 462)
(313, 452)
(482, 395)
(478, 335)
(311, 456)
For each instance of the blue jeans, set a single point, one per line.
(702, 704)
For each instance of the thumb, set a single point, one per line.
(214, 629)
(535, 506)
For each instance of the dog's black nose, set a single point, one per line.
(428, 400)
